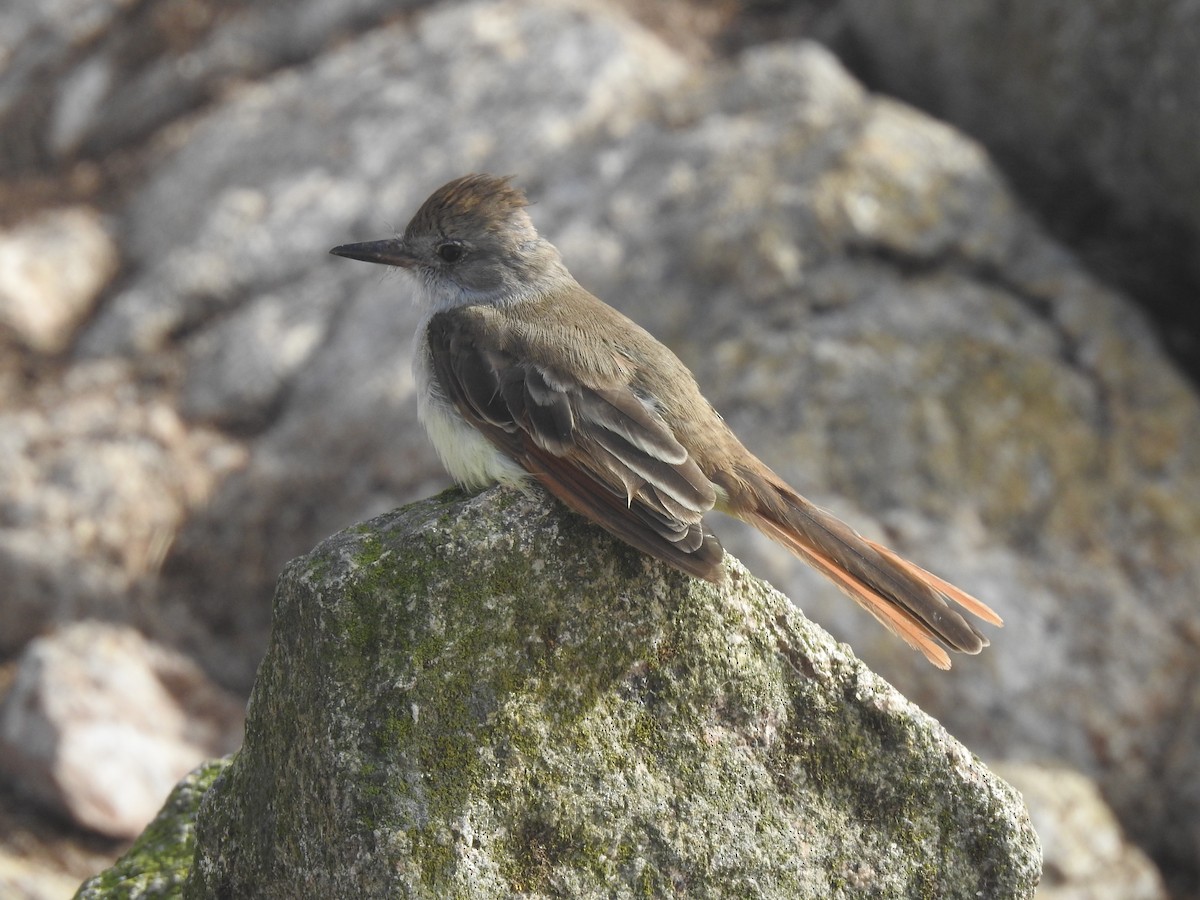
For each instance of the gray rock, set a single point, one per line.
(37, 39)
(100, 723)
(52, 269)
(88, 79)
(560, 716)
(1092, 103)
(1086, 856)
(100, 471)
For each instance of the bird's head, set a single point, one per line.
(471, 242)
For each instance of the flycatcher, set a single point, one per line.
(522, 374)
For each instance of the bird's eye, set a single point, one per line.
(450, 251)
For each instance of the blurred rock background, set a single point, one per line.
(975, 344)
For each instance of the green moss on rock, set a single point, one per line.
(487, 697)
(159, 860)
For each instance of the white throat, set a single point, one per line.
(441, 294)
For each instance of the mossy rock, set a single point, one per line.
(159, 861)
(488, 697)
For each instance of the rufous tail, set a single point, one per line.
(911, 602)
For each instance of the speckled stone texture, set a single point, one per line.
(488, 697)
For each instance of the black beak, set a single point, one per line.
(389, 253)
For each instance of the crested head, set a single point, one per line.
(471, 242)
(473, 205)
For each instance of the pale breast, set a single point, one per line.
(470, 458)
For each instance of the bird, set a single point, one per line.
(524, 377)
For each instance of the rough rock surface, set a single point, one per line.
(100, 724)
(486, 696)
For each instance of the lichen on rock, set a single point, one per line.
(161, 858)
(488, 697)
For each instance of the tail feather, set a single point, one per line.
(896, 619)
(972, 605)
(912, 603)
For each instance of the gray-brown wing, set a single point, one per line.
(600, 449)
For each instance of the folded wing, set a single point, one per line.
(599, 448)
